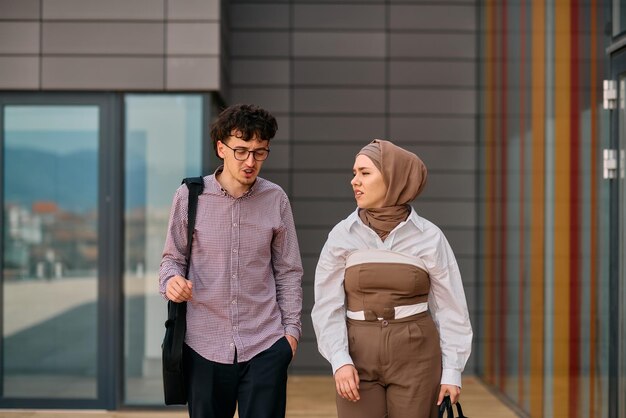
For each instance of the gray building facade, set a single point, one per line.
(131, 86)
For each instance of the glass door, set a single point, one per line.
(620, 286)
(56, 346)
(163, 142)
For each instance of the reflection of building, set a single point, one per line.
(47, 242)
(21, 231)
(136, 240)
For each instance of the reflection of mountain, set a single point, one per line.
(70, 180)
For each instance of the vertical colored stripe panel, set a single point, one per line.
(593, 156)
(503, 177)
(490, 245)
(522, 202)
(574, 208)
(538, 118)
(562, 137)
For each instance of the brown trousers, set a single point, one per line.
(399, 366)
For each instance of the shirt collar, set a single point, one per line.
(417, 220)
(414, 218)
(217, 187)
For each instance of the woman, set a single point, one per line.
(390, 313)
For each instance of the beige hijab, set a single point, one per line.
(404, 175)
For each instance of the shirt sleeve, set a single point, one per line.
(287, 266)
(173, 260)
(449, 308)
(329, 310)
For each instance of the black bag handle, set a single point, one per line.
(195, 186)
(446, 408)
(176, 324)
(177, 312)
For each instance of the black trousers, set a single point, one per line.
(258, 386)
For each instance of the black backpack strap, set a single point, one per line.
(195, 186)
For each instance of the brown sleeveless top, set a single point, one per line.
(377, 281)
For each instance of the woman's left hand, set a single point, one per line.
(452, 390)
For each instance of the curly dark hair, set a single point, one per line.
(250, 120)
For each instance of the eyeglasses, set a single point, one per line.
(242, 154)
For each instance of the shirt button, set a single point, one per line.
(234, 276)
(235, 224)
(234, 302)
(232, 344)
(234, 250)
(235, 327)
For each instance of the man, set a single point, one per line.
(243, 293)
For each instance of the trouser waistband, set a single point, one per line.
(397, 312)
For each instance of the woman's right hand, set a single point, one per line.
(178, 289)
(347, 382)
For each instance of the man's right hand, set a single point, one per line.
(178, 289)
(347, 382)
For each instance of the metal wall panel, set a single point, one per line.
(102, 38)
(440, 129)
(274, 99)
(323, 129)
(432, 73)
(154, 45)
(19, 37)
(19, 9)
(439, 17)
(193, 39)
(19, 72)
(102, 73)
(339, 16)
(432, 45)
(187, 73)
(339, 100)
(312, 72)
(193, 10)
(259, 71)
(259, 16)
(431, 101)
(102, 10)
(339, 44)
(259, 44)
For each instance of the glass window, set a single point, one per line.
(619, 17)
(163, 140)
(50, 254)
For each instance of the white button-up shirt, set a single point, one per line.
(416, 237)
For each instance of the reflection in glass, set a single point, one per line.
(162, 146)
(50, 258)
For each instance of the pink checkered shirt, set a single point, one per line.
(245, 268)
